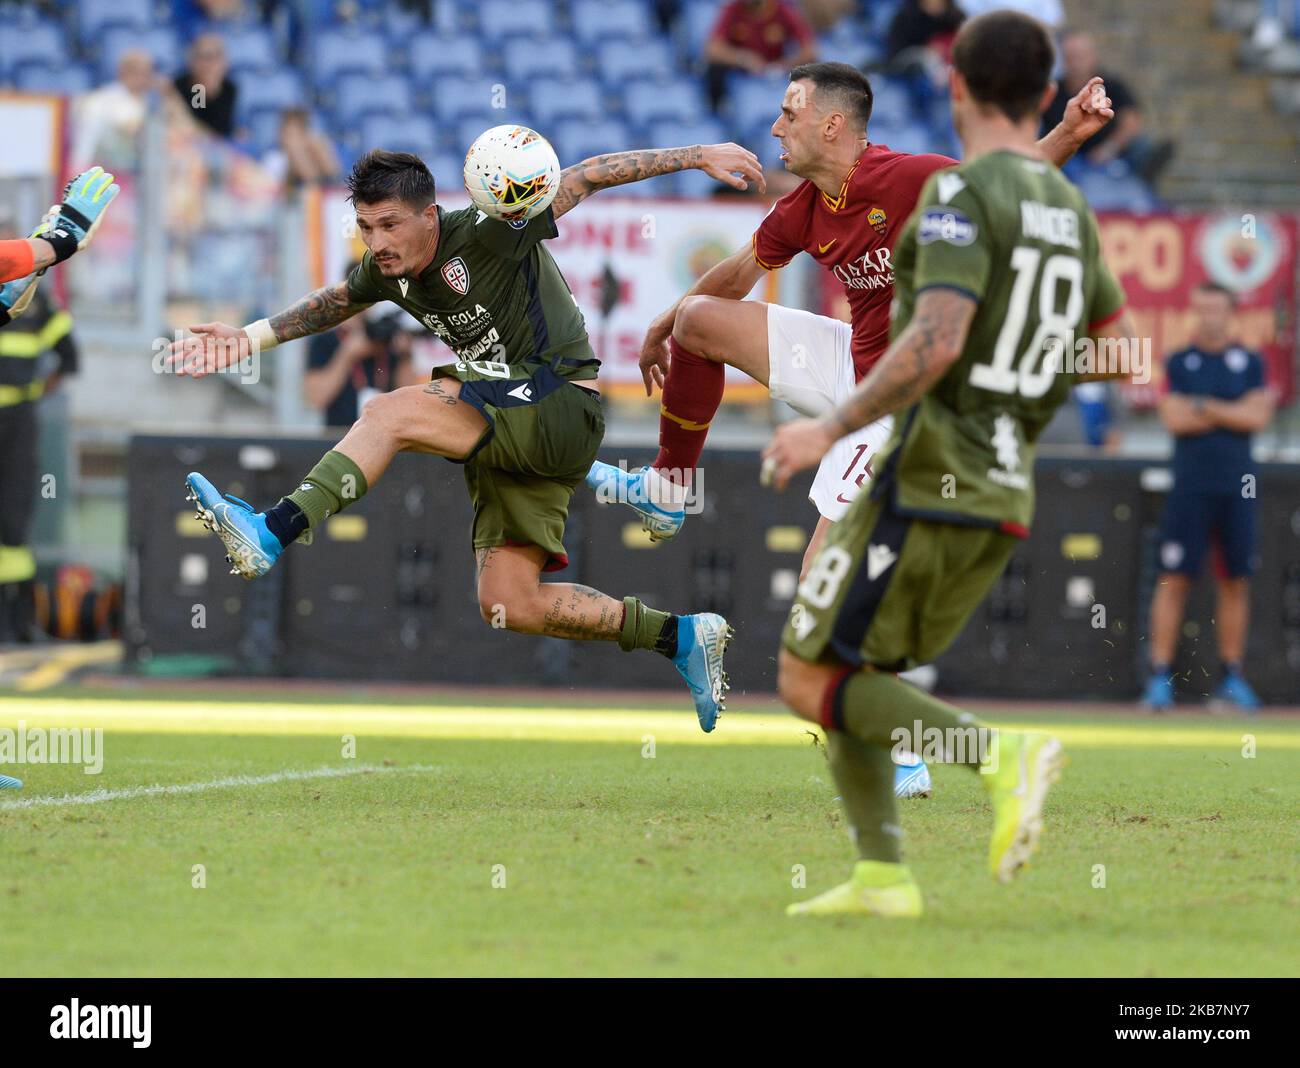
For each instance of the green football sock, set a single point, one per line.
(647, 628)
(882, 710)
(864, 775)
(329, 487)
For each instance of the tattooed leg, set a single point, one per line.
(429, 419)
(512, 596)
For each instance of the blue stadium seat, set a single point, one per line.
(499, 18)
(553, 100)
(250, 48)
(344, 51)
(263, 129)
(95, 15)
(667, 98)
(411, 133)
(277, 89)
(65, 80)
(699, 132)
(756, 100)
(448, 171)
(577, 140)
(160, 42)
(431, 54)
(453, 97)
(465, 130)
(359, 94)
(694, 27)
(622, 61)
(697, 185)
(42, 41)
(914, 137)
(599, 20)
(527, 58)
(890, 103)
(852, 48)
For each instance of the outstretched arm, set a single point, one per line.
(915, 361)
(216, 346)
(1086, 113)
(730, 164)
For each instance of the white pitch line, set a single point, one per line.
(95, 797)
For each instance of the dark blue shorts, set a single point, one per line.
(1195, 520)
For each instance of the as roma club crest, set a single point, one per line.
(456, 275)
(878, 220)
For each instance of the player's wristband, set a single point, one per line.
(62, 241)
(261, 334)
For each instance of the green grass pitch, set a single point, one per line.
(484, 837)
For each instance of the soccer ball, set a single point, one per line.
(512, 173)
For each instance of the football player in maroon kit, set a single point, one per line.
(846, 214)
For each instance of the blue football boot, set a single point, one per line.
(251, 548)
(701, 641)
(1235, 690)
(616, 485)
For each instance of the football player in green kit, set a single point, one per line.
(519, 409)
(999, 279)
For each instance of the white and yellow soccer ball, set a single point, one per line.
(512, 173)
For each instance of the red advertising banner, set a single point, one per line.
(1161, 258)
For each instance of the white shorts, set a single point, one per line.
(810, 367)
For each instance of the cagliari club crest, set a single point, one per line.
(456, 275)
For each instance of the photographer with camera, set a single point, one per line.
(361, 358)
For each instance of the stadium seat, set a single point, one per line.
(500, 18)
(890, 103)
(622, 61)
(262, 126)
(526, 58)
(651, 101)
(577, 140)
(448, 171)
(160, 42)
(277, 89)
(599, 20)
(250, 48)
(453, 97)
(430, 54)
(694, 27)
(95, 15)
(553, 100)
(699, 132)
(355, 95)
(466, 129)
(72, 79)
(914, 137)
(41, 41)
(411, 133)
(343, 51)
(755, 100)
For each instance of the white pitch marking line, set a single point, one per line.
(95, 797)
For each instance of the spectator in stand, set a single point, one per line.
(109, 118)
(1216, 398)
(920, 45)
(823, 15)
(755, 37)
(364, 356)
(304, 156)
(204, 85)
(1121, 138)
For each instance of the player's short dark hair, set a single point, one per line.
(841, 86)
(1006, 58)
(382, 175)
(1216, 287)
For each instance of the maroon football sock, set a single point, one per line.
(692, 393)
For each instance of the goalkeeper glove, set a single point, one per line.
(85, 200)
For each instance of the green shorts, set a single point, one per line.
(892, 591)
(542, 437)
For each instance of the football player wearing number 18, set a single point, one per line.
(519, 409)
(996, 272)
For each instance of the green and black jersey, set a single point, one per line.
(1015, 235)
(493, 293)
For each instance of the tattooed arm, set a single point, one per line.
(730, 164)
(216, 346)
(919, 357)
(315, 313)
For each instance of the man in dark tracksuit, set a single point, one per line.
(26, 346)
